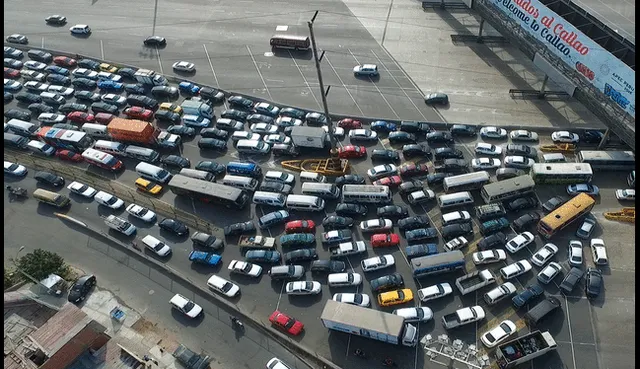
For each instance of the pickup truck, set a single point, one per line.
(120, 225)
(463, 316)
(347, 248)
(203, 257)
(190, 359)
(257, 242)
(474, 281)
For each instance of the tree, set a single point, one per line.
(9, 279)
(40, 263)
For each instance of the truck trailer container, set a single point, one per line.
(197, 107)
(525, 348)
(474, 281)
(310, 137)
(140, 132)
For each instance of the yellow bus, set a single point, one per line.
(573, 209)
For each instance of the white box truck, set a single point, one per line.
(311, 137)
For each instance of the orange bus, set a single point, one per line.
(573, 209)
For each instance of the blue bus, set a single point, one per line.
(437, 263)
(244, 168)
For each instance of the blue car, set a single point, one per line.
(189, 87)
(57, 70)
(421, 234)
(296, 239)
(383, 126)
(529, 293)
(108, 85)
(12, 86)
(203, 257)
(59, 79)
(8, 97)
(424, 249)
(263, 256)
(589, 189)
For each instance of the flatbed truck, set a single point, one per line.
(474, 281)
(463, 316)
(257, 242)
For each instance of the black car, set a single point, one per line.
(455, 230)
(349, 179)
(447, 153)
(12, 63)
(240, 102)
(234, 114)
(212, 143)
(392, 211)
(437, 178)
(570, 280)
(39, 108)
(415, 222)
(155, 41)
(337, 222)
(594, 283)
(41, 56)
(18, 114)
(81, 288)
(316, 119)
(174, 226)
(416, 150)
(214, 133)
(8, 97)
(175, 161)
(134, 88)
(144, 101)
(451, 165)
(65, 126)
(71, 107)
(58, 79)
(181, 130)
(102, 107)
(553, 203)
(522, 150)
(387, 282)
(58, 20)
(384, 155)
(328, 266)
(493, 241)
(463, 130)
(300, 255)
(49, 178)
(28, 98)
(212, 94)
(506, 173)
(525, 221)
(89, 64)
(439, 137)
(401, 137)
(591, 137)
(275, 186)
(84, 83)
(239, 228)
(165, 92)
(201, 239)
(521, 203)
(346, 209)
(414, 127)
(293, 113)
(211, 167)
(168, 116)
(127, 73)
(407, 187)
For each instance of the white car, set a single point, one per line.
(626, 195)
(11, 85)
(518, 162)
(358, 299)
(17, 38)
(85, 73)
(281, 177)
(575, 253)
(265, 107)
(565, 137)
(599, 252)
(338, 132)
(519, 242)
(499, 333)
(373, 225)
(243, 267)
(276, 363)
(35, 86)
(34, 65)
(380, 171)
(497, 294)
(545, 254)
(141, 213)
(489, 256)
(485, 163)
(434, 292)
(14, 169)
(344, 279)
(264, 128)
(362, 135)
(548, 273)
(515, 269)
(82, 189)
(108, 200)
(303, 288)
(377, 263)
(32, 75)
(244, 135)
(223, 286)
(483, 148)
(80, 29)
(114, 99)
(186, 306)
(288, 122)
(184, 66)
(52, 118)
(365, 70)
(457, 243)
(523, 135)
(414, 314)
(277, 138)
(155, 245)
(107, 76)
(493, 132)
(61, 90)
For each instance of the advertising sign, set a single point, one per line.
(603, 70)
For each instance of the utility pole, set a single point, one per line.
(322, 91)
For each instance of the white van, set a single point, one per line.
(197, 174)
(22, 128)
(142, 153)
(269, 198)
(153, 172)
(455, 199)
(312, 177)
(245, 183)
(253, 147)
(328, 190)
(110, 147)
(95, 130)
(305, 203)
(456, 217)
(344, 279)
(554, 158)
(41, 148)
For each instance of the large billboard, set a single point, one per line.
(603, 70)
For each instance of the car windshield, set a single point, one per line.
(245, 267)
(189, 306)
(159, 246)
(227, 286)
(307, 286)
(82, 188)
(141, 211)
(111, 200)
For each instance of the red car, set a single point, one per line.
(69, 155)
(286, 323)
(80, 117)
(351, 151)
(384, 240)
(300, 226)
(104, 118)
(411, 169)
(138, 113)
(393, 181)
(11, 73)
(348, 123)
(64, 61)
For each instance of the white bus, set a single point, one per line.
(561, 173)
(507, 189)
(608, 160)
(466, 182)
(366, 194)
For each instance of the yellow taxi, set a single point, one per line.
(148, 186)
(106, 67)
(171, 107)
(395, 297)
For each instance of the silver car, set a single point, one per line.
(518, 162)
(184, 66)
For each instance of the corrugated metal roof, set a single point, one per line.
(60, 329)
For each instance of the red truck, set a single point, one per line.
(141, 132)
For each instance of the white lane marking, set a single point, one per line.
(305, 80)
(343, 85)
(259, 73)
(159, 61)
(573, 353)
(377, 89)
(280, 295)
(101, 50)
(42, 42)
(215, 77)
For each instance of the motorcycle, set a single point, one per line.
(237, 323)
(16, 191)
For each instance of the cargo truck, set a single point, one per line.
(347, 248)
(525, 348)
(197, 107)
(256, 242)
(190, 359)
(474, 281)
(368, 323)
(463, 316)
(140, 132)
(150, 78)
(310, 137)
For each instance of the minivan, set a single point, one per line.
(454, 230)
(142, 153)
(17, 141)
(280, 272)
(305, 203)
(41, 148)
(344, 279)
(541, 310)
(456, 217)
(52, 98)
(245, 183)
(455, 199)
(153, 172)
(253, 147)
(22, 128)
(554, 158)
(110, 147)
(325, 190)
(269, 198)
(312, 177)
(51, 198)
(95, 130)
(197, 174)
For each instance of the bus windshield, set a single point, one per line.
(573, 209)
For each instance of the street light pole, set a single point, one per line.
(322, 91)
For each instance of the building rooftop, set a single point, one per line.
(60, 329)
